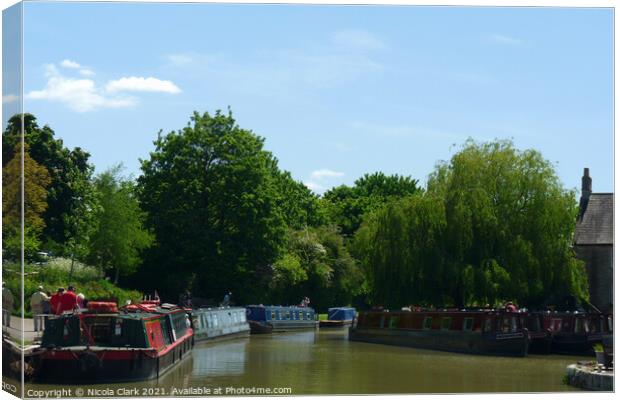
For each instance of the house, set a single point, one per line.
(594, 242)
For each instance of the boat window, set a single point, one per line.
(214, 319)
(488, 324)
(166, 331)
(445, 323)
(556, 324)
(394, 321)
(428, 323)
(273, 315)
(468, 324)
(610, 324)
(581, 325)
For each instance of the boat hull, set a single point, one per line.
(106, 365)
(513, 344)
(221, 338)
(572, 344)
(335, 323)
(281, 326)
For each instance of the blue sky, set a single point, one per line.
(337, 91)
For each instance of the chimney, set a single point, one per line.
(586, 191)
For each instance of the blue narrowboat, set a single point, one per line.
(338, 317)
(267, 319)
(219, 323)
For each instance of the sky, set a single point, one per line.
(336, 91)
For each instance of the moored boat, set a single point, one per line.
(475, 332)
(539, 336)
(338, 317)
(576, 332)
(267, 319)
(102, 344)
(219, 323)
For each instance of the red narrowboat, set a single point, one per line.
(474, 332)
(104, 344)
(576, 332)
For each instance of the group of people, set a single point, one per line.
(44, 303)
(305, 302)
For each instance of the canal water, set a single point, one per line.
(326, 362)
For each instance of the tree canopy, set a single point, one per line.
(348, 205)
(212, 197)
(69, 171)
(494, 224)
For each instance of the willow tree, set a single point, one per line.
(509, 225)
(501, 229)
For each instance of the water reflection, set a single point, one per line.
(220, 359)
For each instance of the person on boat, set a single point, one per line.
(55, 300)
(36, 306)
(81, 300)
(226, 301)
(68, 301)
(7, 305)
(510, 307)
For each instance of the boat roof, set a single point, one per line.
(340, 308)
(280, 307)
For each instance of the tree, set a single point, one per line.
(494, 224)
(119, 236)
(69, 171)
(348, 205)
(315, 262)
(36, 180)
(212, 201)
(510, 219)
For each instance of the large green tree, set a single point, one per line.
(69, 171)
(213, 200)
(347, 205)
(119, 236)
(495, 224)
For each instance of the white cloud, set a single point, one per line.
(315, 187)
(141, 84)
(497, 38)
(83, 94)
(80, 95)
(70, 64)
(9, 98)
(322, 174)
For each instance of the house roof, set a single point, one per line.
(596, 226)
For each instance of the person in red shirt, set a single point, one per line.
(55, 300)
(68, 301)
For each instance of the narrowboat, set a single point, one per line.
(267, 319)
(475, 332)
(103, 344)
(211, 324)
(539, 336)
(576, 332)
(338, 317)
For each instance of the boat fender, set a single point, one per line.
(88, 362)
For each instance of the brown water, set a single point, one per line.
(325, 362)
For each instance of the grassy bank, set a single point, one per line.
(55, 273)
